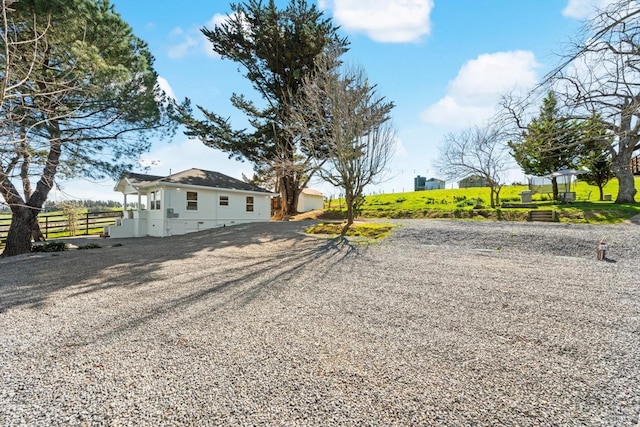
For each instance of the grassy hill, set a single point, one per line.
(473, 203)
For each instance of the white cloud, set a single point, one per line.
(399, 148)
(166, 87)
(217, 19)
(584, 9)
(473, 94)
(396, 21)
(192, 41)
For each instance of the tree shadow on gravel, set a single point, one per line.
(251, 257)
(248, 282)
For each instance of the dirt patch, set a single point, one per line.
(312, 215)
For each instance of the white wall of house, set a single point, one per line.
(205, 209)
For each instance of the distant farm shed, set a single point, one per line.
(422, 183)
(473, 181)
(310, 200)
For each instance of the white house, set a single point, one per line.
(310, 200)
(188, 201)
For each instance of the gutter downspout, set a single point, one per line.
(137, 233)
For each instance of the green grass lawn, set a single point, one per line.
(474, 203)
(370, 231)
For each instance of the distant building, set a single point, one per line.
(422, 183)
(310, 200)
(473, 181)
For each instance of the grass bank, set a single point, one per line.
(473, 203)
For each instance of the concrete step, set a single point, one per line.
(542, 215)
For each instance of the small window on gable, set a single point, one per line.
(249, 204)
(152, 202)
(224, 200)
(192, 201)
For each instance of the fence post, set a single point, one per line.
(46, 227)
(87, 223)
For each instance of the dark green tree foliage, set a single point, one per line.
(80, 98)
(549, 143)
(276, 49)
(595, 155)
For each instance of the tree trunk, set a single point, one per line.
(24, 218)
(349, 199)
(554, 186)
(36, 234)
(601, 190)
(349, 222)
(496, 193)
(621, 166)
(289, 193)
(23, 222)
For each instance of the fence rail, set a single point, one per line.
(57, 224)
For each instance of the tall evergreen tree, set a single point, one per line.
(277, 49)
(550, 143)
(595, 154)
(79, 96)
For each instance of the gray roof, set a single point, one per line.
(199, 177)
(139, 178)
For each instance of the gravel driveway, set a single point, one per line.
(443, 323)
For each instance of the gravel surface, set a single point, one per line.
(443, 323)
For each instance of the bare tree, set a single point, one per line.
(341, 119)
(482, 151)
(601, 77)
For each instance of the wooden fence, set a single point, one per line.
(56, 224)
(635, 165)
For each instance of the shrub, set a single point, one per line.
(509, 199)
(72, 211)
(466, 202)
(50, 247)
(458, 213)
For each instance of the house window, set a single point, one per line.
(152, 202)
(249, 204)
(224, 200)
(158, 198)
(192, 201)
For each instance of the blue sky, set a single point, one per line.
(444, 63)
